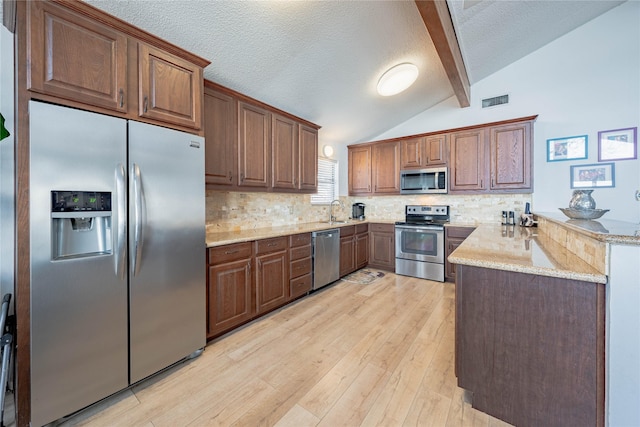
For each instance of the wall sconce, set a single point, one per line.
(327, 150)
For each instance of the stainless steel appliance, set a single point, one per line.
(420, 242)
(326, 257)
(357, 211)
(424, 181)
(117, 252)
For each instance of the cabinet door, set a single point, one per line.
(75, 58)
(454, 236)
(220, 138)
(360, 170)
(169, 88)
(435, 150)
(308, 158)
(254, 144)
(386, 168)
(382, 249)
(284, 142)
(272, 281)
(229, 296)
(511, 157)
(411, 153)
(467, 167)
(362, 250)
(347, 255)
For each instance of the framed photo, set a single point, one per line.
(617, 144)
(598, 175)
(569, 148)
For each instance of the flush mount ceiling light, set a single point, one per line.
(397, 78)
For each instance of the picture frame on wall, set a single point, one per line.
(618, 144)
(567, 148)
(597, 175)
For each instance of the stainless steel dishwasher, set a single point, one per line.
(326, 257)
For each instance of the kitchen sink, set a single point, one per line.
(335, 222)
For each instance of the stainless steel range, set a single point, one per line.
(420, 242)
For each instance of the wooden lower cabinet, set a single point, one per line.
(347, 250)
(272, 274)
(530, 348)
(229, 288)
(453, 237)
(361, 245)
(300, 279)
(382, 253)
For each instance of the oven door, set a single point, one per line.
(420, 243)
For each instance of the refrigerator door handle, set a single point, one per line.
(120, 246)
(137, 219)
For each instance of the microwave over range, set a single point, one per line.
(424, 181)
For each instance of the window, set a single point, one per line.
(327, 182)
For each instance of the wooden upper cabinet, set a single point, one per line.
(386, 168)
(308, 158)
(254, 145)
(411, 153)
(169, 87)
(284, 144)
(510, 154)
(467, 166)
(418, 153)
(220, 138)
(75, 58)
(360, 169)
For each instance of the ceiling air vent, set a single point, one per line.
(496, 100)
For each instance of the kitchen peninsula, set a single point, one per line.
(534, 314)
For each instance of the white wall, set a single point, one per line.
(584, 82)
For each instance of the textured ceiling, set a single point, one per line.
(321, 60)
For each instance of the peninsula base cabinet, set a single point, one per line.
(530, 348)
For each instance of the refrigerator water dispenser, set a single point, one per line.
(80, 224)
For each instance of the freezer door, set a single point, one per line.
(166, 247)
(78, 303)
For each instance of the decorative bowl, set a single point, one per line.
(583, 214)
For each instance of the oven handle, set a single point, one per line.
(420, 228)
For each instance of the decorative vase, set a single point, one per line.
(582, 200)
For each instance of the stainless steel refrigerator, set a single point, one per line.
(117, 230)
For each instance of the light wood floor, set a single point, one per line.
(349, 355)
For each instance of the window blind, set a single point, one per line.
(327, 182)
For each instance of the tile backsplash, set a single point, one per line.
(240, 211)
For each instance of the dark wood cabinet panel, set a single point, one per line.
(382, 251)
(307, 159)
(362, 249)
(272, 281)
(284, 143)
(510, 153)
(76, 58)
(453, 236)
(412, 153)
(229, 294)
(347, 255)
(467, 170)
(360, 170)
(254, 145)
(436, 150)
(530, 348)
(220, 138)
(169, 88)
(386, 168)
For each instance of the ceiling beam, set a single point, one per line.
(437, 19)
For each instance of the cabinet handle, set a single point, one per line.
(481, 183)
(121, 98)
(230, 177)
(249, 266)
(146, 103)
(242, 177)
(369, 187)
(271, 244)
(231, 252)
(492, 182)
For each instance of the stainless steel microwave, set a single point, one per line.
(424, 181)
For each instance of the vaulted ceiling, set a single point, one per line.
(321, 60)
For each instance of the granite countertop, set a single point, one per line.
(521, 249)
(604, 230)
(224, 237)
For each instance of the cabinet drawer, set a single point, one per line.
(300, 240)
(300, 267)
(228, 253)
(347, 231)
(301, 252)
(271, 245)
(381, 227)
(460, 232)
(300, 285)
(362, 228)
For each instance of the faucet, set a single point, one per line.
(331, 217)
